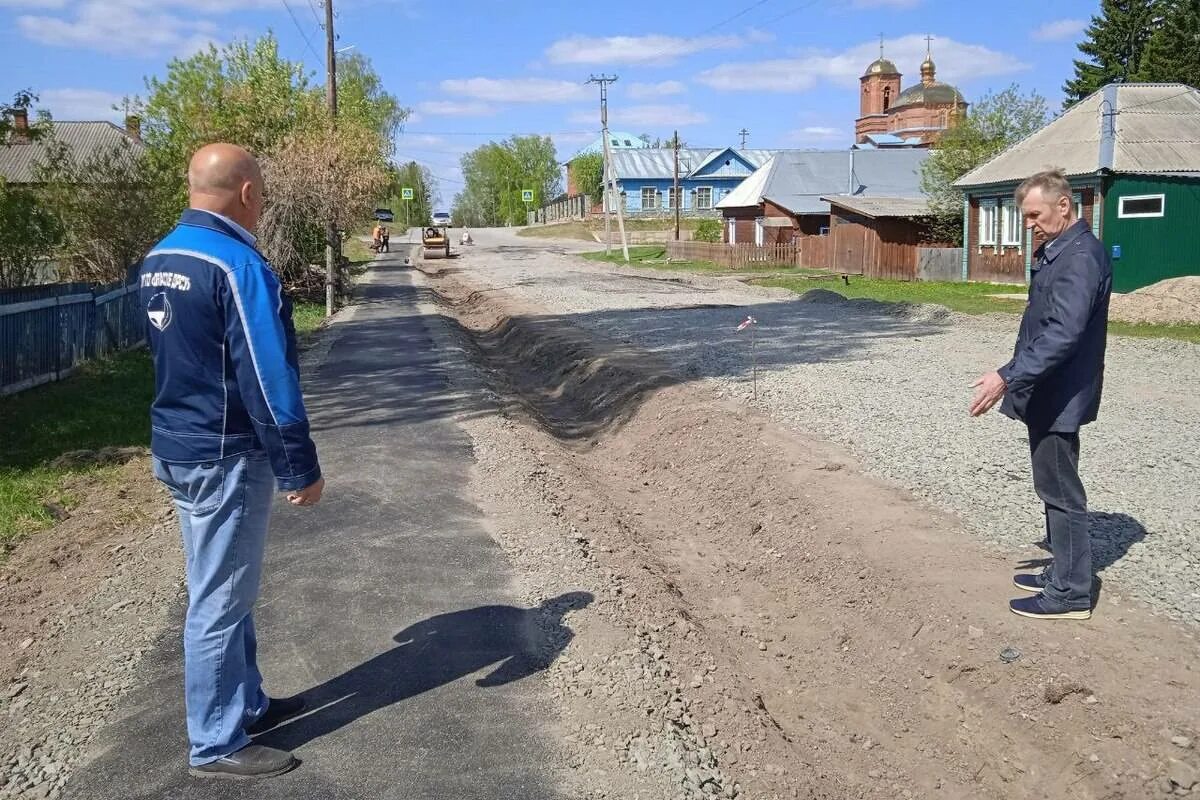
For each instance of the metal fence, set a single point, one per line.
(46, 332)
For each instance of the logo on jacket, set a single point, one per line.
(159, 311)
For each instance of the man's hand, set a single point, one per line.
(988, 390)
(308, 496)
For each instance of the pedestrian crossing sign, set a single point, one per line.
(406, 193)
(527, 195)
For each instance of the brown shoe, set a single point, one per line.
(252, 761)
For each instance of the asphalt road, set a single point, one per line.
(389, 605)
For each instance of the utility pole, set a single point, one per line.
(610, 176)
(331, 236)
(743, 133)
(678, 198)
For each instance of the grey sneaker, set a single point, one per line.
(252, 761)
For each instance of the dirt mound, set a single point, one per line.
(104, 457)
(913, 312)
(1175, 301)
(821, 296)
(554, 371)
(821, 634)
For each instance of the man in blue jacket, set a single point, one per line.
(228, 427)
(1053, 385)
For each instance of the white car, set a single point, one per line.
(441, 218)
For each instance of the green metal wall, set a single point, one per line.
(1153, 248)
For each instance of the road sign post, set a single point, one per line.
(406, 194)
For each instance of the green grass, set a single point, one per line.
(357, 251)
(966, 298)
(307, 317)
(1143, 330)
(566, 230)
(654, 256)
(106, 404)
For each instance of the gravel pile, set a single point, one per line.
(1174, 301)
(892, 385)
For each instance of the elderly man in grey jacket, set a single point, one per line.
(1053, 385)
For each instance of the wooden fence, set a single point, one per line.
(812, 253)
(48, 331)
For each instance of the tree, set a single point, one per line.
(247, 94)
(316, 175)
(588, 172)
(363, 101)
(418, 178)
(495, 174)
(994, 123)
(1172, 53)
(1115, 43)
(108, 203)
(244, 93)
(23, 100)
(29, 235)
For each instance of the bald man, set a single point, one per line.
(228, 428)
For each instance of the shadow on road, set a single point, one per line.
(557, 365)
(514, 642)
(1112, 535)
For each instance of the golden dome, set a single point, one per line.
(882, 67)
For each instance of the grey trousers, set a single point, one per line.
(1055, 459)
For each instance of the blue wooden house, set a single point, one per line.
(645, 177)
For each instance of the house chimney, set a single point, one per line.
(133, 126)
(20, 126)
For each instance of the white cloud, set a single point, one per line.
(818, 135)
(650, 49)
(516, 90)
(647, 91)
(1060, 30)
(646, 116)
(47, 4)
(956, 61)
(81, 104)
(454, 108)
(125, 27)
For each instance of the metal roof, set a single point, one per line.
(882, 206)
(17, 161)
(936, 94)
(1149, 128)
(617, 140)
(798, 180)
(660, 163)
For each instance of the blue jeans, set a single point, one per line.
(1055, 459)
(224, 508)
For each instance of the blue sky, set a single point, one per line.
(475, 70)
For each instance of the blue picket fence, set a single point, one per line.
(46, 332)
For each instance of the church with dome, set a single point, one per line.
(913, 117)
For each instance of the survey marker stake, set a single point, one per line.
(751, 323)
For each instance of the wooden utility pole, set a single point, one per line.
(610, 176)
(331, 249)
(743, 133)
(678, 198)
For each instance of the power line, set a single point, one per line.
(316, 16)
(795, 10)
(427, 164)
(741, 13)
(497, 133)
(303, 35)
(1152, 102)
